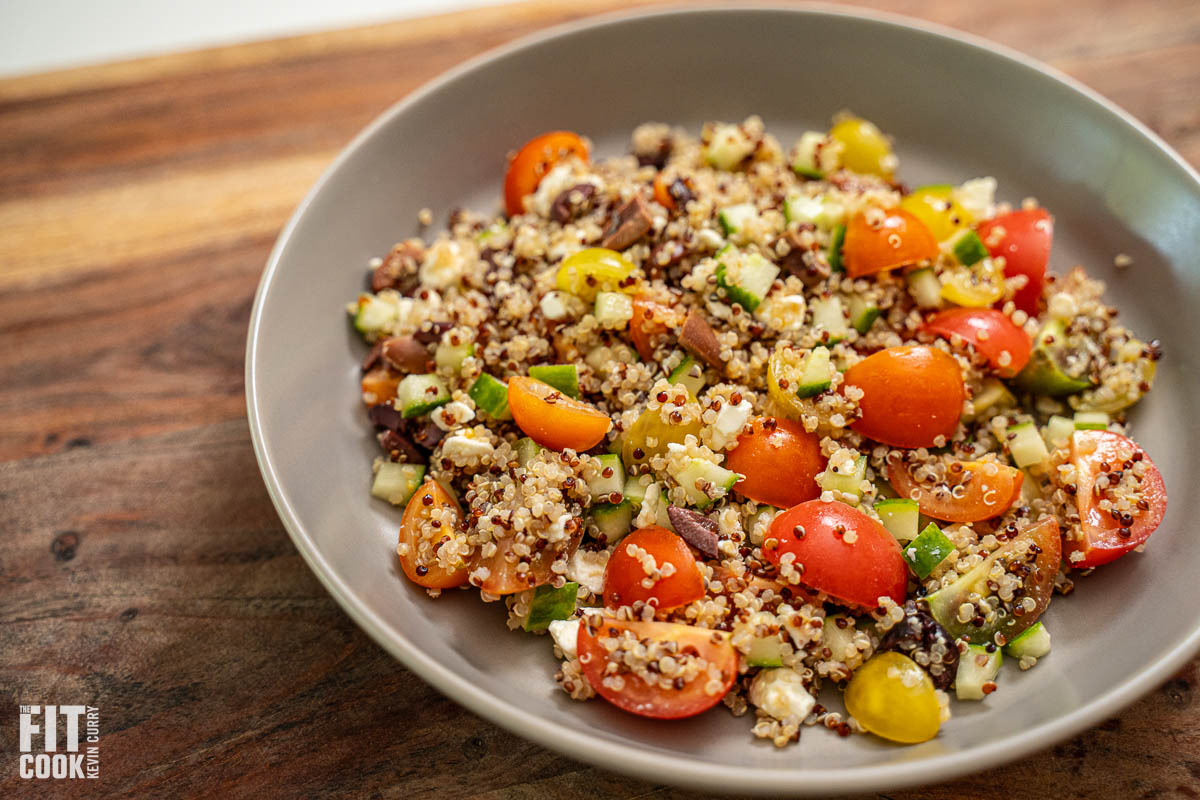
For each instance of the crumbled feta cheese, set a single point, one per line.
(978, 197)
(565, 633)
(462, 447)
(445, 264)
(780, 692)
(840, 641)
(586, 568)
(452, 415)
(731, 419)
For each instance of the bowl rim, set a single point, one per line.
(620, 756)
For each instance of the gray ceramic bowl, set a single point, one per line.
(957, 108)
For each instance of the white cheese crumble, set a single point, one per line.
(780, 692)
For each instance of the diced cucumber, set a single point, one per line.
(527, 450)
(550, 604)
(450, 357)
(925, 288)
(805, 163)
(1026, 445)
(863, 314)
(420, 394)
(975, 668)
(835, 248)
(373, 315)
(734, 219)
(760, 522)
(816, 374)
(746, 278)
(928, 550)
(613, 522)
(1045, 373)
(900, 516)
(491, 395)
(827, 315)
(1033, 642)
(700, 472)
(1091, 420)
(765, 651)
(969, 249)
(613, 309)
(690, 373)
(728, 147)
(397, 483)
(634, 492)
(564, 377)
(611, 478)
(822, 210)
(849, 483)
(1058, 429)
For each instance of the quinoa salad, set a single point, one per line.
(733, 421)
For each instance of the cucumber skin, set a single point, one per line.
(484, 390)
(564, 377)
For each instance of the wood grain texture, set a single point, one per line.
(142, 567)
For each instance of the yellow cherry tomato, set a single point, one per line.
(594, 270)
(937, 208)
(784, 370)
(974, 287)
(864, 148)
(649, 436)
(894, 698)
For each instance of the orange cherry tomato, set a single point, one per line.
(990, 331)
(655, 693)
(554, 420)
(1096, 453)
(531, 163)
(780, 462)
(625, 576)
(650, 321)
(420, 539)
(1023, 238)
(379, 386)
(988, 490)
(911, 395)
(902, 239)
(503, 577)
(840, 551)
(662, 193)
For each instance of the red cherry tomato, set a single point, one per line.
(625, 576)
(554, 420)
(420, 540)
(503, 577)
(901, 239)
(911, 395)
(650, 321)
(1096, 453)
(1025, 244)
(531, 163)
(780, 461)
(843, 552)
(661, 699)
(990, 331)
(988, 490)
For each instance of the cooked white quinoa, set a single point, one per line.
(484, 297)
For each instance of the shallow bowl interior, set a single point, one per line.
(956, 110)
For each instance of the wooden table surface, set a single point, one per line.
(143, 569)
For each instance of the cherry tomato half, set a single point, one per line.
(625, 577)
(988, 490)
(379, 386)
(420, 540)
(1024, 241)
(554, 420)
(990, 331)
(780, 461)
(660, 699)
(503, 575)
(901, 239)
(843, 552)
(531, 163)
(911, 395)
(1096, 453)
(650, 321)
